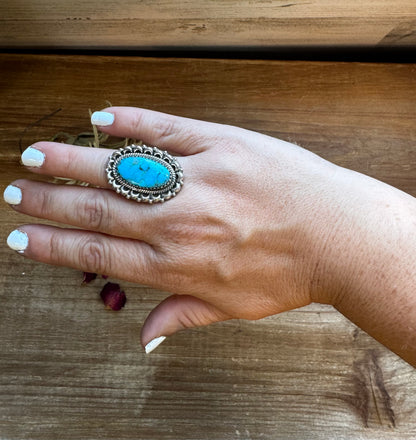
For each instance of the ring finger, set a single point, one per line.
(70, 161)
(89, 208)
(93, 209)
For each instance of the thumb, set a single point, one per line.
(175, 313)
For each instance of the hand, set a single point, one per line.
(253, 232)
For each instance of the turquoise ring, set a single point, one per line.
(144, 174)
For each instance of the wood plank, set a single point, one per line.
(198, 23)
(70, 369)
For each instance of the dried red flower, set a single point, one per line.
(114, 298)
(88, 277)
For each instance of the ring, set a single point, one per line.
(145, 174)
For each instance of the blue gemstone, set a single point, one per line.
(144, 172)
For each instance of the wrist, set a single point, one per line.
(370, 262)
(371, 237)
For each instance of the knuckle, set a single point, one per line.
(56, 248)
(94, 212)
(233, 145)
(187, 318)
(137, 122)
(45, 203)
(94, 255)
(164, 129)
(167, 129)
(191, 137)
(68, 159)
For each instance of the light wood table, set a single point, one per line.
(69, 369)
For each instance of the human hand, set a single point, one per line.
(253, 232)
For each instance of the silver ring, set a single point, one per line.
(145, 174)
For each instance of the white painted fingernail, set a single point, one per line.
(32, 157)
(102, 118)
(18, 240)
(12, 195)
(153, 344)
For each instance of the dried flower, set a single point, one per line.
(114, 298)
(88, 277)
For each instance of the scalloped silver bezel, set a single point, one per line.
(134, 192)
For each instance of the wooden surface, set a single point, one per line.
(70, 369)
(201, 23)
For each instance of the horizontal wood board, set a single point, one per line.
(131, 24)
(70, 369)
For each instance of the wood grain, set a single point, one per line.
(200, 23)
(69, 369)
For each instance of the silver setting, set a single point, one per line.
(135, 192)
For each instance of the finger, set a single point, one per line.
(82, 164)
(92, 209)
(69, 161)
(179, 135)
(89, 251)
(177, 313)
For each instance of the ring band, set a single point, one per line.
(145, 174)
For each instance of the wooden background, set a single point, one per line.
(70, 369)
(131, 24)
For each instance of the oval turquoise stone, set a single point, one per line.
(143, 172)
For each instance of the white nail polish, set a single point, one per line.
(102, 118)
(32, 157)
(12, 195)
(18, 240)
(153, 344)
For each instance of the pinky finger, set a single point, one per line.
(122, 258)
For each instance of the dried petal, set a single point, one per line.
(113, 297)
(88, 277)
(104, 277)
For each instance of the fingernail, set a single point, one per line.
(18, 240)
(12, 195)
(32, 157)
(102, 118)
(153, 344)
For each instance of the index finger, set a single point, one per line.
(179, 135)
